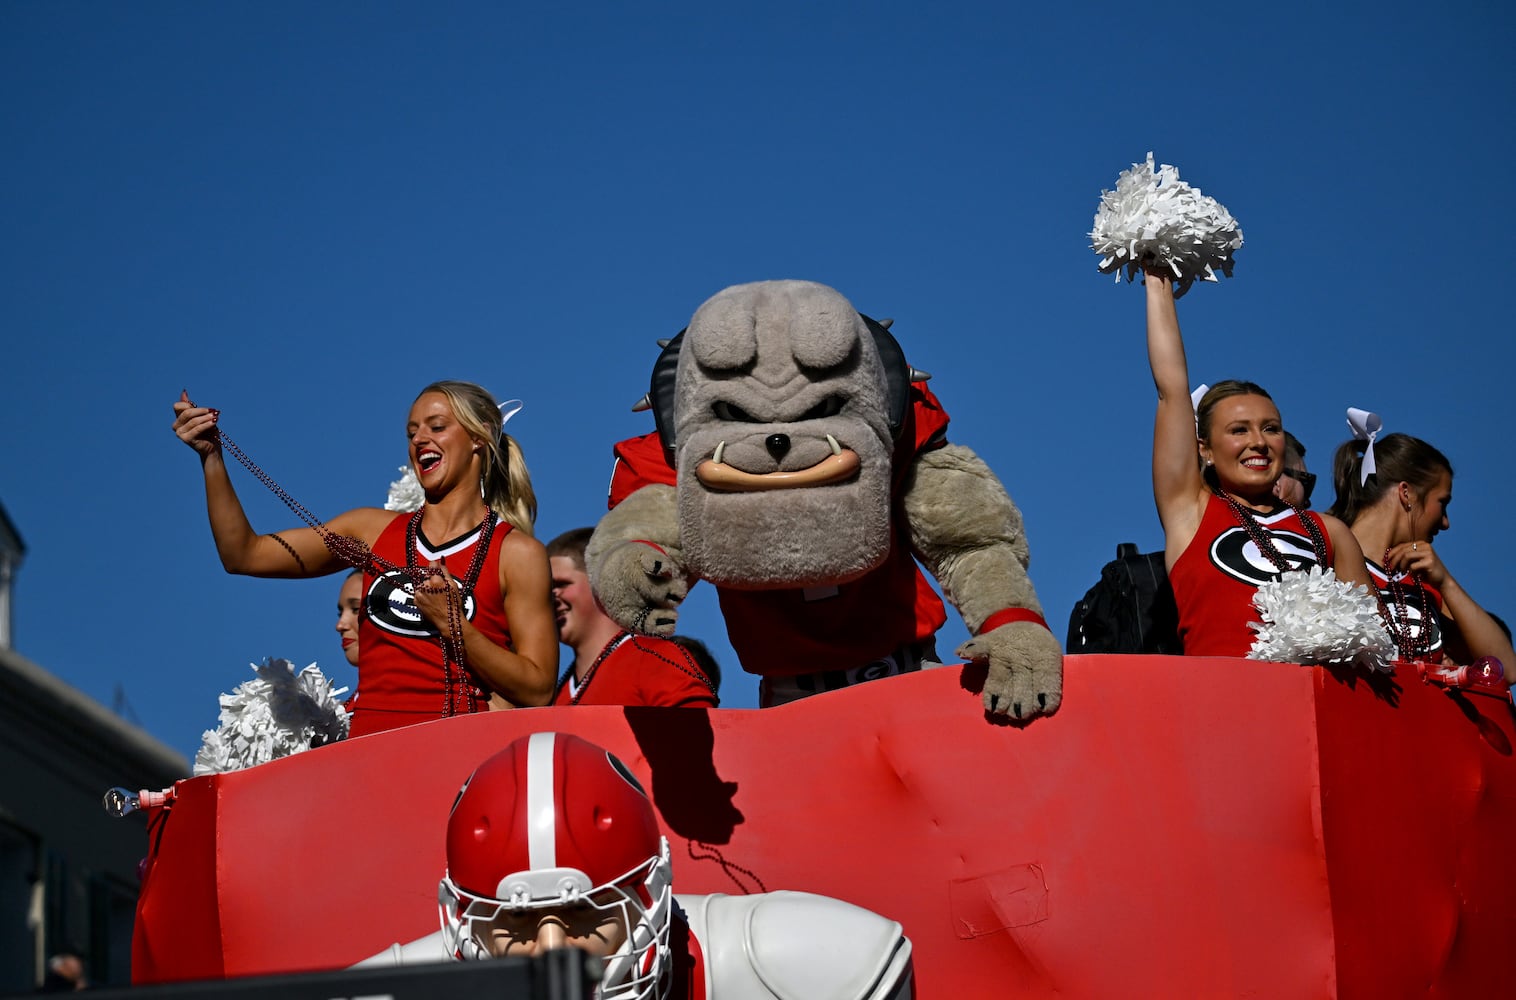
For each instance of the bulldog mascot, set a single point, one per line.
(798, 465)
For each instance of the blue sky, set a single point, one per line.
(305, 212)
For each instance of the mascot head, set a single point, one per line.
(783, 437)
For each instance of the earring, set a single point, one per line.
(1209, 463)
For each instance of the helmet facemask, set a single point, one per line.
(638, 901)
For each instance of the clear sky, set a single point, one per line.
(303, 212)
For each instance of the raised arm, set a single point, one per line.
(1177, 483)
(297, 552)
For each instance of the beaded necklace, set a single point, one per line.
(358, 555)
(452, 643)
(610, 648)
(1413, 642)
(1265, 542)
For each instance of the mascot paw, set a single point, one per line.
(641, 588)
(1025, 675)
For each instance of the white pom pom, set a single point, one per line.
(1156, 217)
(406, 494)
(274, 715)
(1312, 617)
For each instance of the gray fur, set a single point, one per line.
(778, 352)
(639, 587)
(968, 533)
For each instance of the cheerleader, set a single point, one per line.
(1215, 466)
(1397, 508)
(456, 613)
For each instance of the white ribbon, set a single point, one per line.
(1196, 395)
(509, 409)
(1366, 427)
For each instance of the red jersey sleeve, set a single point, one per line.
(639, 462)
(928, 419)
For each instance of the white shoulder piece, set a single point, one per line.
(798, 946)
(418, 952)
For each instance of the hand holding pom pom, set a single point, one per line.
(1157, 219)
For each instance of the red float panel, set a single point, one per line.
(1183, 826)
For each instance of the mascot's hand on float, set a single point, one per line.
(969, 533)
(1025, 664)
(634, 562)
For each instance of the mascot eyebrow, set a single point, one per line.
(831, 338)
(898, 378)
(799, 466)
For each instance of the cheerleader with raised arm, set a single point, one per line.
(1394, 492)
(1214, 470)
(456, 609)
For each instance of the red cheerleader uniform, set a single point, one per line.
(1406, 612)
(1215, 577)
(401, 677)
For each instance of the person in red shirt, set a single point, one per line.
(612, 666)
(457, 616)
(1398, 508)
(1215, 467)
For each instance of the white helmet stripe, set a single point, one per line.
(541, 819)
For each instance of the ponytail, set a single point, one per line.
(508, 485)
(1398, 458)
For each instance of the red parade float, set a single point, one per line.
(1183, 826)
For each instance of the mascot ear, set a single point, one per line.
(897, 375)
(897, 379)
(661, 394)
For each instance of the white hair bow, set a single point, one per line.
(1366, 427)
(509, 409)
(1196, 395)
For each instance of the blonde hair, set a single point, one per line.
(504, 480)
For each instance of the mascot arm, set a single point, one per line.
(634, 562)
(968, 532)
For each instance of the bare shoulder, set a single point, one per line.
(1338, 531)
(1347, 555)
(523, 559)
(519, 545)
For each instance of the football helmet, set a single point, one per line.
(555, 821)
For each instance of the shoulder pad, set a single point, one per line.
(798, 946)
(418, 952)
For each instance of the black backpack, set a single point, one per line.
(1131, 609)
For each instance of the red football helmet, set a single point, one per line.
(555, 821)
